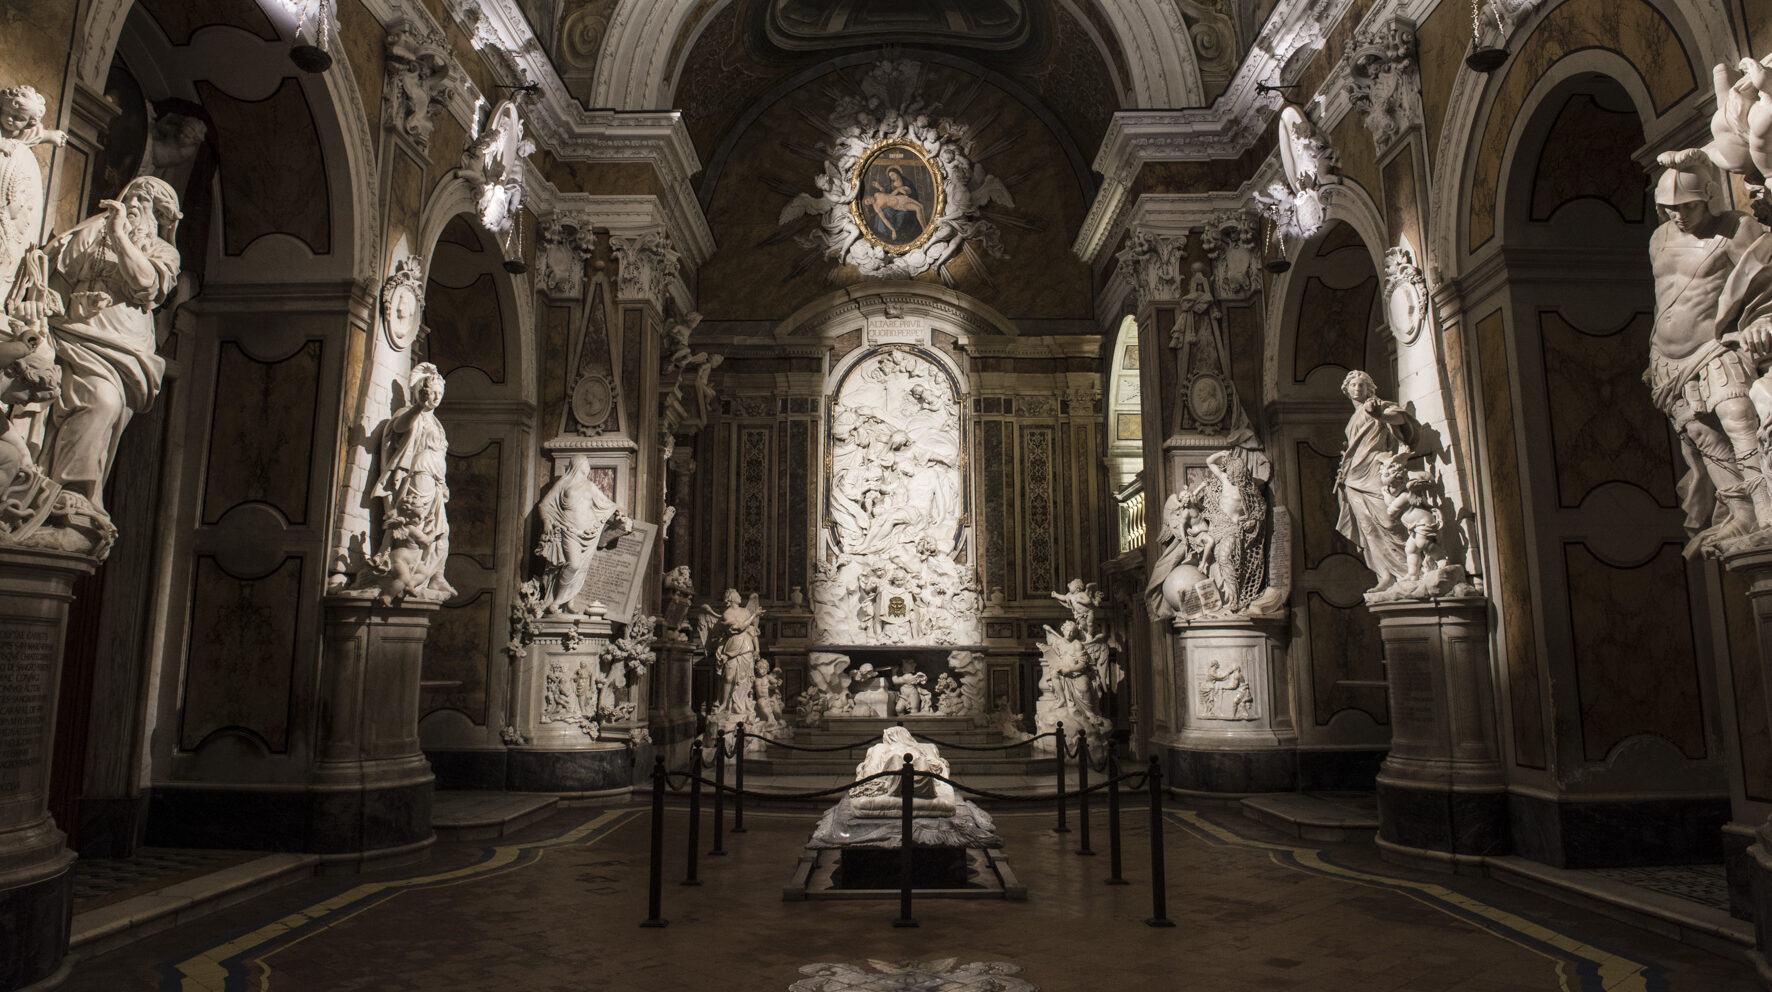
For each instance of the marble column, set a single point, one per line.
(554, 745)
(1755, 565)
(1442, 796)
(1234, 714)
(36, 867)
(371, 786)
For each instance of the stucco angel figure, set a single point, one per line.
(577, 518)
(414, 496)
(1082, 600)
(21, 179)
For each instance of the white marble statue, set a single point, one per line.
(577, 518)
(737, 654)
(1392, 504)
(1070, 689)
(884, 795)
(912, 696)
(27, 377)
(1082, 600)
(770, 709)
(21, 179)
(1216, 546)
(869, 694)
(968, 668)
(414, 496)
(1711, 341)
(679, 589)
(947, 695)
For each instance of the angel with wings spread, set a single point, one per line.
(738, 653)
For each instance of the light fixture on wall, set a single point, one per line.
(1277, 238)
(513, 243)
(314, 57)
(1481, 57)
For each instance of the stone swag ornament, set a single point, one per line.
(77, 357)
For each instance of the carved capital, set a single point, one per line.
(1384, 80)
(646, 265)
(1154, 263)
(419, 72)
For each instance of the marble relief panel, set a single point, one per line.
(1511, 574)
(1603, 426)
(275, 179)
(242, 655)
(262, 432)
(1635, 661)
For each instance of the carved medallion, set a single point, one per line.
(1207, 400)
(1405, 301)
(898, 195)
(592, 399)
(403, 302)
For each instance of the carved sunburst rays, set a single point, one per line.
(959, 207)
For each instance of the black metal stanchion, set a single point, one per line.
(907, 788)
(1113, 768)
(1058, 739)
(738, 783)
(719, 850)
(1083, 796)
(1159, 888)
(694, 811)
(655, 886)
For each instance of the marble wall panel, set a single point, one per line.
(272, 172)
(1511, 581)
(180, 19)
(1753, 728)
(1037, 486)
(1634, 29)
(798, 502)
(1345, 647)
(1332, 328)
(474, 513)
(1635, 661)
(262, 432)
(466, 327)
(242, 654)
(751, 510)
(1603, 427)
(995, 485)
(360, 35)
(1441, 42)
(458, 648)
(1589, 153)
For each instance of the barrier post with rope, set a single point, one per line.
(719, 850)
(690, 878)
(1058, 756)
(1113, 771)
(738, 782)
(907, 788)
(1083, 796)
(1159, 889)
(655, 886)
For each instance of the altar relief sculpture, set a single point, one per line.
(79, 357)
(894, 510)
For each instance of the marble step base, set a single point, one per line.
(477, 815)
(1335, 818)
(107, 927)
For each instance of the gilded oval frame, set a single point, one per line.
(937, 200)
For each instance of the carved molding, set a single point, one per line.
(646, 266)
(563, 244)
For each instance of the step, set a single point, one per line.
(1337, 817)
(471, 815)
(114, 924)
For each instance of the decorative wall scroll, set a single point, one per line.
(419, 72)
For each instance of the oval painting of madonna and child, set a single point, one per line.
(898, 196)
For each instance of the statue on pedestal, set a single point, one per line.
(1219, 551)
(1071, 687)
(414, 496)
(738, 654)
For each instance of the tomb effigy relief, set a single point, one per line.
(891, 571)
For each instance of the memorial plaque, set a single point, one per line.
(896, 330)
(28, 651)
(616, 572)
(1414, 714)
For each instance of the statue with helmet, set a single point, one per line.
(1711, 341)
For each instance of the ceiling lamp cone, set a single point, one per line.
(1485, 59)
(310, 58)
(1278, 265)
(516, 266)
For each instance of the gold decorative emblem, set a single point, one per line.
(898, 195)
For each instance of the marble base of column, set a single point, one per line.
(36, 867)
(1442, 797)
(370, 789)
(556, 744)
(1755, 565)
(1236, 734)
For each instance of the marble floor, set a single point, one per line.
(556, 907)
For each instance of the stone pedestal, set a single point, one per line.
(672, 716)
(1232, 707)
(371, 786)
(1442, 795)
(36, 877)
(556, 743)
(1755, 565)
